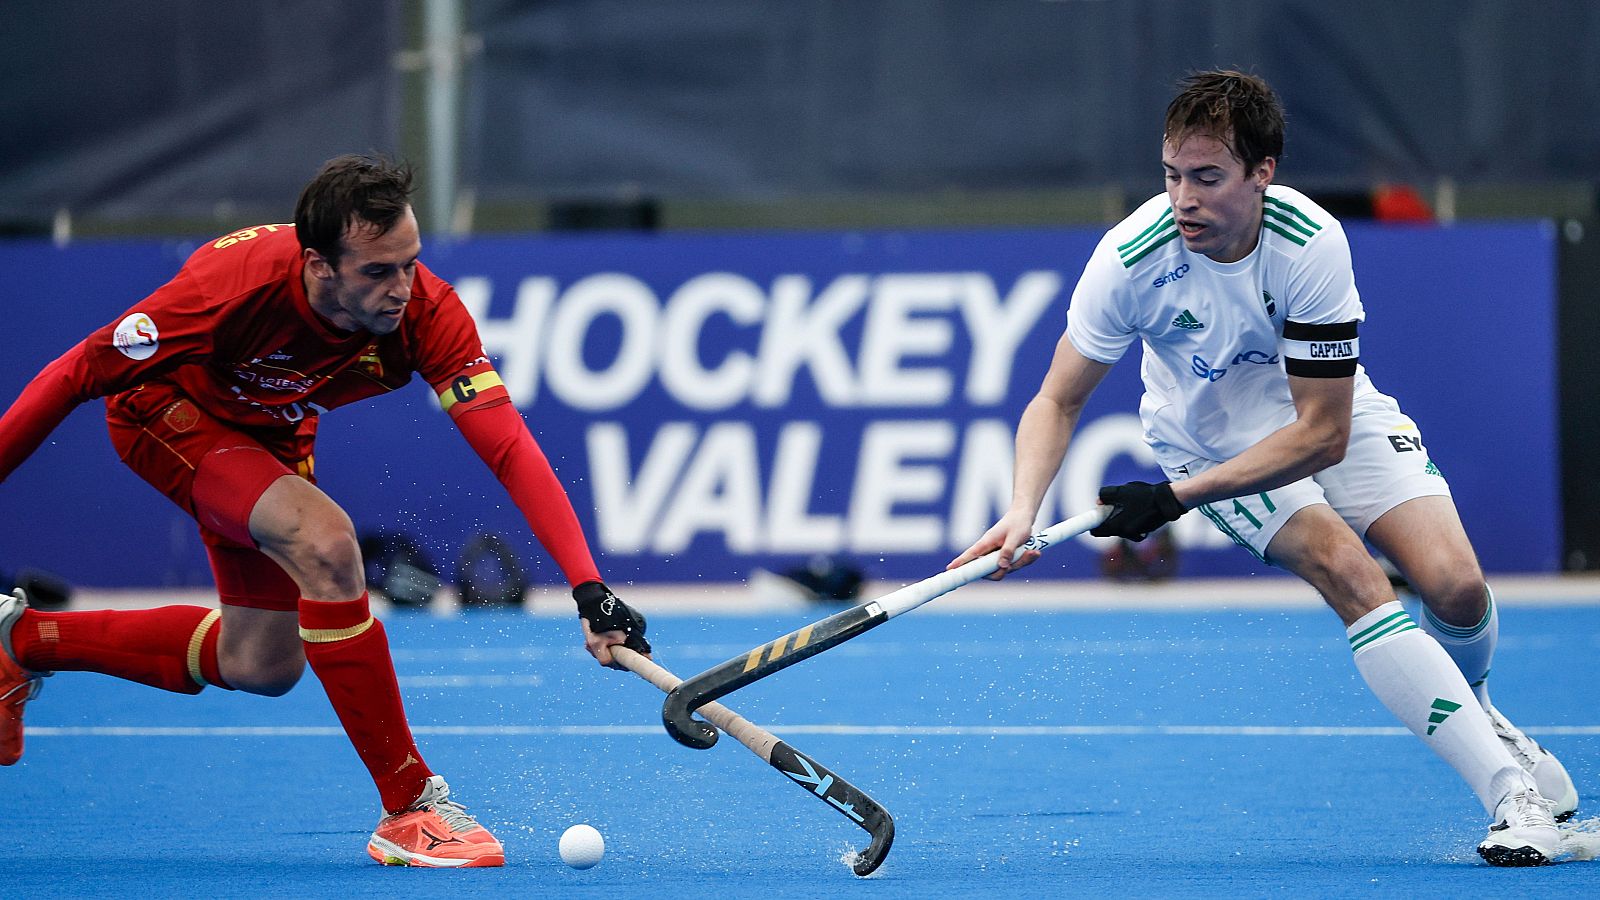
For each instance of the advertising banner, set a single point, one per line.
(720, 403)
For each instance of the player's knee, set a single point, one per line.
(334, 556)
(324, 558)
(307, 534)
(1347, 577)
(1460, 598)
(266, 675)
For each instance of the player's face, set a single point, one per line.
(371, 286)
(1216, 202)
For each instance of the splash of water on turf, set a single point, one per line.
(1581, 840)
(849, 857)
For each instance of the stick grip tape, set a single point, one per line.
(771, 657)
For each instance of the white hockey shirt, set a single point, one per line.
(1214, 333)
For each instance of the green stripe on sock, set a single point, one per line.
(1442, 709)
(1397, 628)
(1460, 632)
(1381, 623)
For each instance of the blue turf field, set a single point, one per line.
(1071, 754)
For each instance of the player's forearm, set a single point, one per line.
(502, 441)
(54, 393)
(1295, 451)
(1042, 437)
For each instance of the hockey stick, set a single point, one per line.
(821, 635)
(843, 796)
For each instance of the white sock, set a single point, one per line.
(1421, 685)
(1471, 646)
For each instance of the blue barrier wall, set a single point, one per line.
(717, 403)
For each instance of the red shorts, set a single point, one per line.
(216, 473)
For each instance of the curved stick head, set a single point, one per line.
(684, 727)
(867, 861)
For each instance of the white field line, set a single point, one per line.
(879, 645)
(992, 731)
(1013, 595)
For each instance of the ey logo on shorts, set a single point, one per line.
(1405, 443)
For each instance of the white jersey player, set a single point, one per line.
(1242, 295)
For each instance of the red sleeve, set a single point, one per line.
(54, 393)
(170, 328)
(502, 440)
(449, 355)
(173, 327)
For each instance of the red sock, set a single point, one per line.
(349, 651)
(173, 647)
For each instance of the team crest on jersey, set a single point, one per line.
(370, 362)
(181, 416)
(136, 336)
(1272, 305)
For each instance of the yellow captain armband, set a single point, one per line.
(466, 388)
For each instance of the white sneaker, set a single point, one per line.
(1548, 773)
(1524, 835)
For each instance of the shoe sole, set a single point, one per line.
(1512, 857)
(388, 854)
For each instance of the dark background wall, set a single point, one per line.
(183, 108)
(773, 99)
(124, 109)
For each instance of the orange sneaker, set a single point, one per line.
(435, 832)
(17, 685)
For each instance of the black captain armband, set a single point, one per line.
(1320, 351)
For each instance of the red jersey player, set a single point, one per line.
(214, 387)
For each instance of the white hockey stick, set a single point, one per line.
(766, 659)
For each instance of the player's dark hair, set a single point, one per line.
(369, 190)
(1238, 109)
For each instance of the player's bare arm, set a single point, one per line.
(1314, 441)
(1304, 447)
(1042, 437)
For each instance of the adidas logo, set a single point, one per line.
(1442, 709)
(1187, 320)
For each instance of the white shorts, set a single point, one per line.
(1385, 465)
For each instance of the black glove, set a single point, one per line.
(606, 612)
(1137, 508)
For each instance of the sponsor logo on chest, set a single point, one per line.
(1172, 276)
